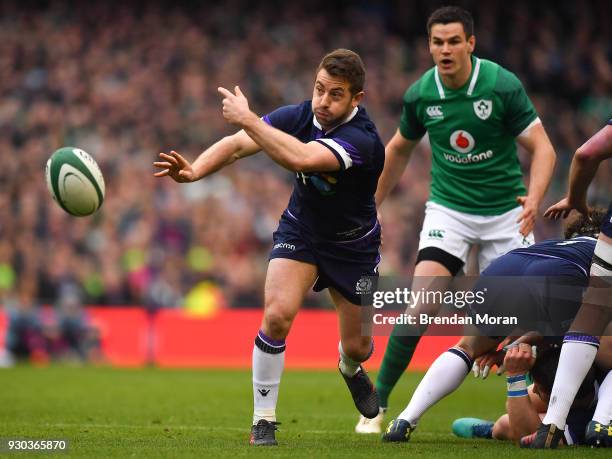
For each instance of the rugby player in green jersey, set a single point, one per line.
(474, 112)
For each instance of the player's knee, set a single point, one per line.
(277, 322)
(358, 348)
(501, 428)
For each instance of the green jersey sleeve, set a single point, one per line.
(411, 126)
(519, 112)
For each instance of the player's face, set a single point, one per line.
(332, 100)
(449, 47)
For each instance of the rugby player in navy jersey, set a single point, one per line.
(580, 344)
(541, 285)
(328, 237)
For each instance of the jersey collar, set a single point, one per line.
(348, 118)
(473, 80)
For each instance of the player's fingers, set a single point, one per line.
(238, 91)
(162, 164)
(179, 158)
(500, 370)
(475, 369)
(224, 92)
(171, 159)
(525, 228)
(485, 371)
(162, 173)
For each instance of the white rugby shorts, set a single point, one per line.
(456, 232)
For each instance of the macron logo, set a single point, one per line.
(263, 392)
(283, 245)
(435, 111)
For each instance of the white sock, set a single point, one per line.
(603, 411)
(348, 366)
(267, 371)
(577, 356)
(444, 376)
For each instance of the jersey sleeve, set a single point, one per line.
(411, 126)
(519, 112)
(351, 146)
(284, 118)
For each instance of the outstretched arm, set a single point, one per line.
(283, 148)
(219, 155)
(397, 154)
(582, 170)
(543, 158)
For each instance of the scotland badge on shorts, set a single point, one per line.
(364, 286)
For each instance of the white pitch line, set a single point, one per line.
(185, 427)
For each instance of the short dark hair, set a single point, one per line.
(346, 64)
(583, 225)
(545, 367)
(448, 14)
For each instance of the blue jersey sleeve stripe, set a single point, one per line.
(266, 119)
(343, 156)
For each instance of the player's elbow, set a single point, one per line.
(297, 165)
(586, 155)
(546, 151)
(305, 163)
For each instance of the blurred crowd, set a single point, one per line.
(126, 82)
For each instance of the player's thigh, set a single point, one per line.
(445, 238)
(287, 282)
(355, 324)
(500, 234)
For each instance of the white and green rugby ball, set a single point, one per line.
(75, 181)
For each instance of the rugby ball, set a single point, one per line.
(75, 181)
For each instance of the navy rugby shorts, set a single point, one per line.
(350, 267)
(544, 294)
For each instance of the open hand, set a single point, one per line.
(563, 208)
(175, 166)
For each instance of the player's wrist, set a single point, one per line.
(517, 385)
(249, 119)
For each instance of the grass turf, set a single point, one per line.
(106, 412)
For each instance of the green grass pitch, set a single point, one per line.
(151, 413)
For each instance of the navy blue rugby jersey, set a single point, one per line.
(337, 205)
(578, 250)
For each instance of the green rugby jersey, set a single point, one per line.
(472, 130)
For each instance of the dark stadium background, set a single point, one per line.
(125, 81)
